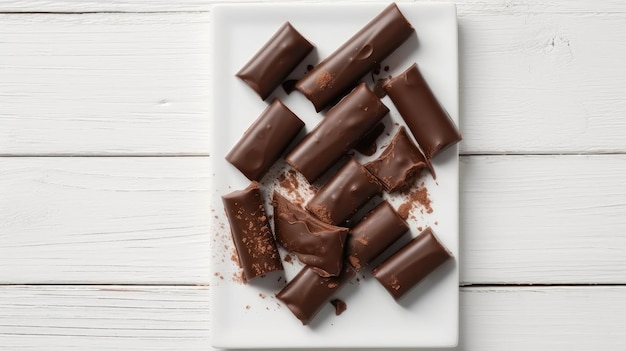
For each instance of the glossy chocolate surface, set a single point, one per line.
(315, 243)
(412, 263)
(344, 194)
(378, 229)
(265, 140)
(275, 60)
(342, 128)
(251, 232)
(307, 292)
(399, 164)
(340, 71)
(427, 119)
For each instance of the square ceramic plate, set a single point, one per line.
(248, 315)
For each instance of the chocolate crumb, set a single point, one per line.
(340, 306)
(415, 197)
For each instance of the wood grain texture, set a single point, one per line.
(104, 84)
(543, 219)
(104, 220)
(165, 318)
(524, 219)
(550, 79)
(482, 6)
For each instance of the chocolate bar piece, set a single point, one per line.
(251, 232)
(342, 128)
(399, 164)
(315, 243)
(307, 292)
(427, 119)
(349, 189)
(412, 263)
(265, 140)
(378, 229)
(275, 60)
(340, 71)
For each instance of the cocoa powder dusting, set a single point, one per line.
(416, 197)
(324, 80)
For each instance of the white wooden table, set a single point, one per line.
(104, 241)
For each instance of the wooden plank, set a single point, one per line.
(543, 219)
(482, 6)
(104, 84)
(104, 318)
(546, 81)
(175, 317)
(524, 219)
(104, 220)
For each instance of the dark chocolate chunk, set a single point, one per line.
(315, 243)
(349, 189)
(251, 232)
(340, 306)
(307, 292)
(275, 60)
(342, 128)
(378, 229)
(367, 145)
(265, 140)
(340, 71)
(399, 164)
(427, 119)
(412, 263)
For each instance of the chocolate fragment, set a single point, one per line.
(399, 164)
(412, 263)
(315, 243)
(378, 229)
(367, 145)
(429, 122)
(340, 306)
(349, 189)
(251, 232)
(265, 140)
(275, 60)
(342, 128)
(307, 292)
(340, 71)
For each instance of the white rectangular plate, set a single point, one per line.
(248, 315)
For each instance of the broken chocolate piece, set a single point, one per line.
(315, 243)
(399, 164)
(307, 292)
(429, 122)
(349, 189)
(340, 71)
(251, 232)
(340, 306)
(378, 229)
(342, 128)
(265, 140)
(275, 60)
(412, 263)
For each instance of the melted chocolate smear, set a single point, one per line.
(367, 145)
(378, 87)
(375, 72)
(289, 85)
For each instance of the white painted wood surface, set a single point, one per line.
(130, 78)
(176, 318)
